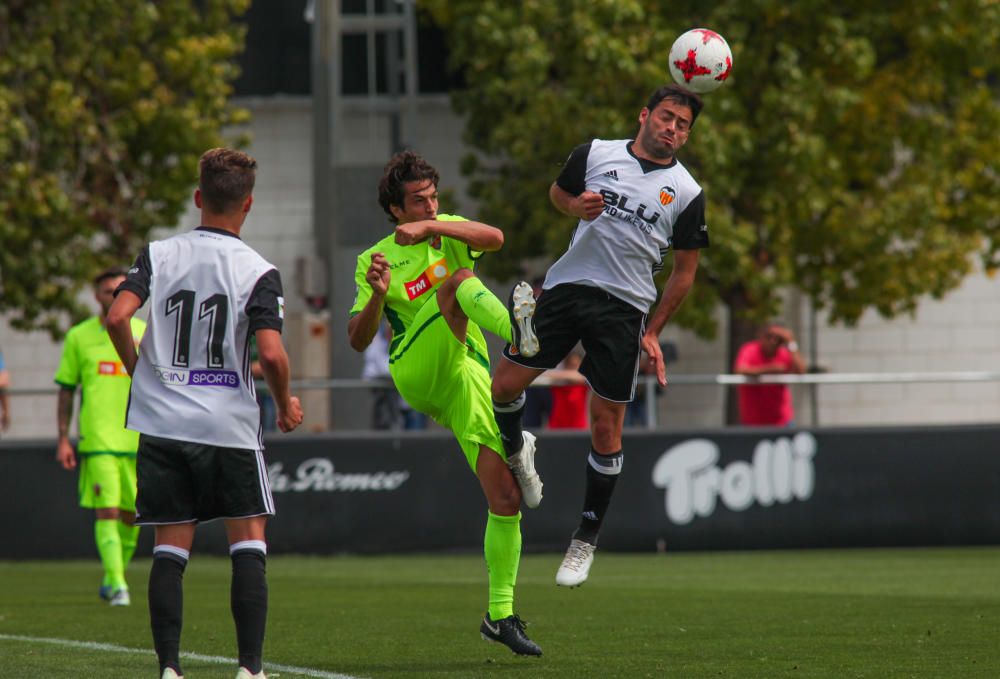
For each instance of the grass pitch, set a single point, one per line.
(877, 614)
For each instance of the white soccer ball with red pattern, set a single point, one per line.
(700, 60)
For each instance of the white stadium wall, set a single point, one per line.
(961, 332)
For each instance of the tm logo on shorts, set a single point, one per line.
(179, 377)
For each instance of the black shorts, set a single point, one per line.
(182, 482)
(610, 329)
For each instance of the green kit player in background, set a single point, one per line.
(421, 277)
(106, 449)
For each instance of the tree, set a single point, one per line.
(105, 108)
(852, 153)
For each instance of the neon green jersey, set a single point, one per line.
(417, 271)
(89, 359)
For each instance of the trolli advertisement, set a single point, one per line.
(733, 489)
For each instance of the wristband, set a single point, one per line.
(793, 346)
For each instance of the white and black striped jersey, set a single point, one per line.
(648, 208)
(208, 293)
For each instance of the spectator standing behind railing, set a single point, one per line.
(4, 398)
(570, 394)
(774, 352)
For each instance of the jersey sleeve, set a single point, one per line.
(362, 290)
(573, 178)
(266, 306)
(139, 276)
(690, 230)
(460, 254)
(68, 373)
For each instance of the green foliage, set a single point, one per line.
(852, 153)
(105, 107)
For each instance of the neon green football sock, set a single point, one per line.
(109, 546)
(484, 308)
(502, 547)
(129, 536)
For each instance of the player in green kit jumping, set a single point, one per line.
(421, 277)
(106, 449)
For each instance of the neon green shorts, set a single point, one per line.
(447, 380)
(107, 481)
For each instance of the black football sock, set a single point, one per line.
(166, 605)
(602, 474)
(508, 417)
(248, 600)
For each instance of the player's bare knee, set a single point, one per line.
(503, 389)
(508, 501)
(606, 435)
(451, 284)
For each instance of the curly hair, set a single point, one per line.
(226, 179)
(405, 166)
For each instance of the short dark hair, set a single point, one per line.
(678, 95)
(226, 178)
(405, 166)
(113, 272)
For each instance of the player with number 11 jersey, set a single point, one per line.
(209, 292)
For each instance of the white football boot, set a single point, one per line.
(521, 307)
(522, 465)
(120, 598)
(576, 564)
(244, 673)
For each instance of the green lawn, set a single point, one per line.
(842, 614)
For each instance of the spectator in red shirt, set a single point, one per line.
(570, 395)
(774, 352)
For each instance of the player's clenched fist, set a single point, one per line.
(412, 233)
(292, 417)
(379, 274)
(588, 205)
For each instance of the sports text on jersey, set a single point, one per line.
(179, 377)
(617, 205)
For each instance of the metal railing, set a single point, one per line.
(649, 382)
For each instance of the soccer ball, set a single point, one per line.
(700, 60)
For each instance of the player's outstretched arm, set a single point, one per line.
(478, 236)
(274, 364)
(120, 327)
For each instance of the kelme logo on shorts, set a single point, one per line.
(433, 275)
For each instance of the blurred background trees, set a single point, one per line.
(105, 108)
(852, 154)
